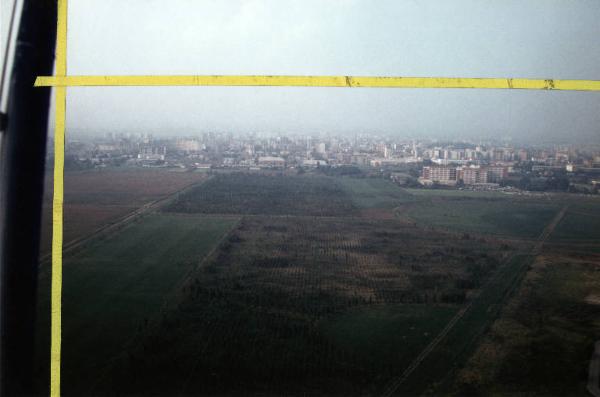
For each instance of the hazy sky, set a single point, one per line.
(459, 38)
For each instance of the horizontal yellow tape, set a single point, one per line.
(320, 81)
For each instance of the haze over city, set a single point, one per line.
(515, 39)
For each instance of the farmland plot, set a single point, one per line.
(523, 218)
(95, 198)
(374, 192)
(578, 225)
(115, 286)
(264, 194)
(290, 305)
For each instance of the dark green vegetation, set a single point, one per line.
(113, 287)
(501, 216)
(390, 334)
(374, 192)
(542, 343)
(437, 370)
(477, 212)
(266, 194)
(296, 304)
(579, 224)
(470, 194)
(327, 285)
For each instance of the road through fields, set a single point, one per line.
(120, 223)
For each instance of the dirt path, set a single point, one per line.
(122, 222)
(396, 382)
(548, 230)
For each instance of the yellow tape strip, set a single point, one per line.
(57, 203)
(320, 81)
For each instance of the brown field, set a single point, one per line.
(98, 197)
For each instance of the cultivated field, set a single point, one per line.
(98, 197)
(502, 216)
(581, 223)
(369, 193)
(113, 287)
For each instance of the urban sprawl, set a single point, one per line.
(427, 163)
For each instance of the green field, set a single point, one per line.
(578, 226)
(115, 286)
(507, 217)
(374, 192)
(386, 338)
(456, 210)
(588, 205)
(453, 193)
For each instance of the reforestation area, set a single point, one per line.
(240, 193)
(310, 305)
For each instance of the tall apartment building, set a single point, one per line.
(442, 175)
(447, 175)
(188, 145)
(498, 155)
(496, 173)
(523, 155)
(472, 175)
(152, 153)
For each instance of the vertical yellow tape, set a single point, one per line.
(57, 203)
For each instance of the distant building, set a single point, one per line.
(271, 162)
(314, 163)
(380, 162)
(188, 145)
(542, 168)
(103, 147)
(496, 173)
(523, 155)
(498, 155)
(359, 159)
(442, 175)
(473, 175)
(152, 153)
(449, 175)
